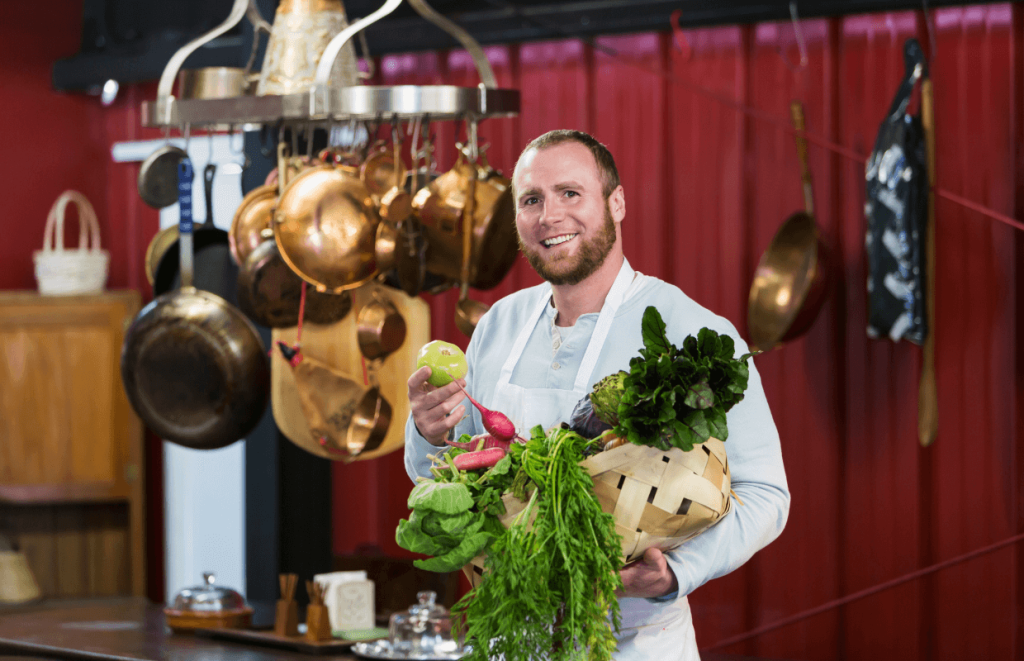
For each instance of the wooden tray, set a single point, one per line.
(271, 639)
(337, 345)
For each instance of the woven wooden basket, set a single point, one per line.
(658, 499)
(61, 272)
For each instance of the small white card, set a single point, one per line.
(351, 605)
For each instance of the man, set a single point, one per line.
(536, 353)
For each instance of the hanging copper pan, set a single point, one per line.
(326, 229)
(790, 283)
(253, 215)
(380, 328)
(370, 423)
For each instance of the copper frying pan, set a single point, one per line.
(790, 283)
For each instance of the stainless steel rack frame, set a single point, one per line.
(326, 104)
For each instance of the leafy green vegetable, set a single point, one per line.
(468, 548)
(447, 498)
(548, 588)
(674, 397)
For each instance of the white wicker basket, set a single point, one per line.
(61, 272)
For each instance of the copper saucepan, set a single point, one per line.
(439, 207)
(380, 328)
(790, 283)
(370, 423)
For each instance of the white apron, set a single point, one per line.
(650, 630)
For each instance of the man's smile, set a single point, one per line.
(554, 241)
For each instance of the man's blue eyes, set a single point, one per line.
(530, 200)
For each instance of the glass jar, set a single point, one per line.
(424, 630)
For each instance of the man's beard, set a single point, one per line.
(589, 258)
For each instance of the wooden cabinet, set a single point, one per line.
(71, 456)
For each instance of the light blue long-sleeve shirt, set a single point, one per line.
(753, 447)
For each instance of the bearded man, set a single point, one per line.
(537, 352)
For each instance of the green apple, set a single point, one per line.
(445, 360)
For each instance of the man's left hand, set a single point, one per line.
(648, 577)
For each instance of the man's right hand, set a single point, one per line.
(435, 410)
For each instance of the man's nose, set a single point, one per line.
(552, 212)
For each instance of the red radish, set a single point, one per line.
(479, 459)
(489, 442)
(497, 424)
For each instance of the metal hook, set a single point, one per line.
(930, 27)
(371, 67)
(800, 43)
(682, 44)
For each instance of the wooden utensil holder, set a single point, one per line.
(286, 620)
(318, 623)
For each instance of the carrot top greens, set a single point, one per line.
(549, 586)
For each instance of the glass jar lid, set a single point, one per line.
(208, 598)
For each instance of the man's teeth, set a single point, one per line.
(558, 239)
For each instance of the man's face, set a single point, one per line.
(566, 226)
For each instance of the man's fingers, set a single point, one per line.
(418, 378)
(439, 426)
(654, 557)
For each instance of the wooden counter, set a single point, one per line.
(132, 629)
(122, 629)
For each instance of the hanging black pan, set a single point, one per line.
(194, 368)
(215, 271)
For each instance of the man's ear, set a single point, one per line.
(617, 204)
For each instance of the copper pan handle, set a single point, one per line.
(796, 111)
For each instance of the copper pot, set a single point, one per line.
(253, 215)
(213, 83)
(494, 243)
(370, 423)
(386, 246)
(270, 293)
(326, 228)
(380, 172)
(380, 328)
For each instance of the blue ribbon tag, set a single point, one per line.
(185, 196)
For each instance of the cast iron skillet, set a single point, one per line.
(215, 270)
(194, 368)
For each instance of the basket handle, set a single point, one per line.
(88, 226)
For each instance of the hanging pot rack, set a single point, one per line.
(324, 103)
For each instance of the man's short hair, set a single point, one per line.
(605, 163)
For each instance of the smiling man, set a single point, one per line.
(537, 352)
